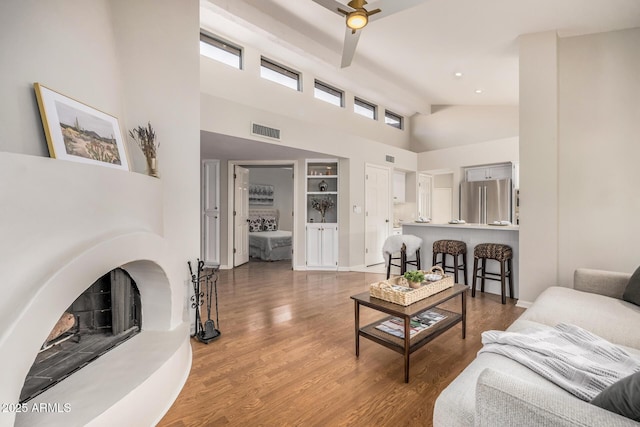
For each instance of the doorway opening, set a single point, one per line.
(262, 200)
(442, 208)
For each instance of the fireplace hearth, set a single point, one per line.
(101, 318)
(51, 255)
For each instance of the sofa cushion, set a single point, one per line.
(632, 291)
(622, 397)
(612, 319)
(607, 283)
(505, 400)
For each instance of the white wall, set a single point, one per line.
(158, 49)
(56, 44)
(118, 57)
(247, 87)
(138, 61)
(599, 151)
(228, 117)
(455, 125)
(538, 163)
(282, 181)
(578, 149)
(305, 123)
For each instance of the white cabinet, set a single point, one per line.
(485, 173)
(399, 187)
(322, 246)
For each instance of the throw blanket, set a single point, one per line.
(572, 358)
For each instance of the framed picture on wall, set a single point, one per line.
(78, 132)
(261, 194)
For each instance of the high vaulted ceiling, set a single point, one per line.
(413, 54)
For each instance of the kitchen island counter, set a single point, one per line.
(472, 235)
(465, 225)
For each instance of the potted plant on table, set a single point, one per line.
(415, 278)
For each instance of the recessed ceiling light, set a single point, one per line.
(458, 74)
(478, 90)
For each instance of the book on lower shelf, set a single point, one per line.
(417, 324)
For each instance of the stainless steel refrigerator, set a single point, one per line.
(483, 202)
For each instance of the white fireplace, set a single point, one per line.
(63, 225)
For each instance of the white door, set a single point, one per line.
(377, 212)
(241, 216)
(211, 212)
(442, 205)
(424, 196)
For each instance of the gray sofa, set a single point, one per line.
(496, 391)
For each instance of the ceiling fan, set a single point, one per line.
(357, 17)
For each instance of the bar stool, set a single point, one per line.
(455, 248)
(403, 244)
(501, 253)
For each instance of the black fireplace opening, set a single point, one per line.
(101, 318)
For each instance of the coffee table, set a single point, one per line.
(406, 345)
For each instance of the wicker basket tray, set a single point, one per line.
(385, 290)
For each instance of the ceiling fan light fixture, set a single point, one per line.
(357, 19)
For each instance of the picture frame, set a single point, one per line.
(261, 194)
(80, 133)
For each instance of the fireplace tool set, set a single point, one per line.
(205, 288)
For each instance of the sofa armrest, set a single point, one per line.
(504, 400)
(607, 283)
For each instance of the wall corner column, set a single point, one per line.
(538, 163)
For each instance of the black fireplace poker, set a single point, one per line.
(205, 288)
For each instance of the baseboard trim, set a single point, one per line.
(524, 304)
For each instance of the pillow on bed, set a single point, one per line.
(255, 224)
(269, 223)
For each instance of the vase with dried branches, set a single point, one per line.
(322, 205)
(145, 138)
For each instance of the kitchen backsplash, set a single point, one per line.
(403, 212)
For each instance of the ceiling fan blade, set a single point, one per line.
(334, 6)
(350, 42)
(389, 7)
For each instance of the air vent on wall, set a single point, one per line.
(265, 131)
(391, 159)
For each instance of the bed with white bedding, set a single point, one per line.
(270, 245)
(266, 242)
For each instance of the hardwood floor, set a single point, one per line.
(286, 355)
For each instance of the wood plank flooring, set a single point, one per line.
(286, 356)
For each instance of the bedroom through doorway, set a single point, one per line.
(263, 220)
